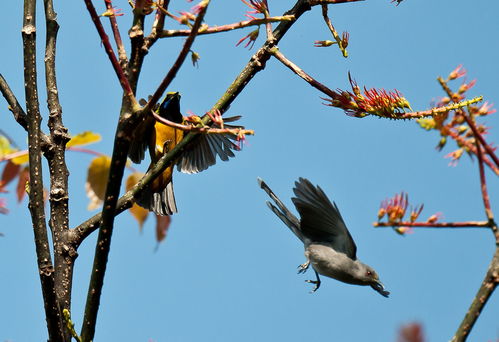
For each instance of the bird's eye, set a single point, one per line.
(369, 273)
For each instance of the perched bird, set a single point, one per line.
(159, 138)
(329, 247)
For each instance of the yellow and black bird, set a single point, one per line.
(160, 139)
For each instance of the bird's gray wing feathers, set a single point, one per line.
(281, 211)
(203, 153)
(321, 220)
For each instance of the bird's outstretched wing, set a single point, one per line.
(202, 153)
(320, 220)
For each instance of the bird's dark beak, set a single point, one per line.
(380, 288)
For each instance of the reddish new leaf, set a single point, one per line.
(162, 225)
(10, 172)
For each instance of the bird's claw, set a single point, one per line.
(317, 284)
(303, 267)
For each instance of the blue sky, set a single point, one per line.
(227, 270)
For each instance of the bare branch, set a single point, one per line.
(178, 62)
(109, 49)
(14, 106)
(117, 37)
(297, 70)
(226, 28)
(488, 286)
(333, 31)
(45, 266)
(64, 255)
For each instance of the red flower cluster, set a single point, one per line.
(379, 102)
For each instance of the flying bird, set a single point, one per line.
(329, 247)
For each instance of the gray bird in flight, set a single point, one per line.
(329, 247)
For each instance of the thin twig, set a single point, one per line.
(179, 61)
(158, 25)
(109, 49)
(117, 36)
(470, 123)
(45, 266)
(297, 70)
(485, 194)
(136, 35)
(227, 27)
(481, 139)
(203, 129)
(333, 31)
(438, 110)
(487, 287)
(468, 224)
(461, 141)
(14, 106)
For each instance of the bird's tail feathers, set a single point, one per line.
(161, 203)
(281, 211)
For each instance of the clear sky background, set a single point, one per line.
(227, 269)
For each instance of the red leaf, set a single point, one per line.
(10, 172)
(412, 332)
(162, 225)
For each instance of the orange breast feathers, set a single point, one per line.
(165, 138)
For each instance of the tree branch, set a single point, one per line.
(255, 65)
(109, 49)
(117, 37)
(64, 254)
(45, 267)
(14, 106)
(118, 162)
(227, 27)
(486, 289)
(298, 71)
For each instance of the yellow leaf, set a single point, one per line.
(139, 213)
(84, 138)
(21, 159)
(97, 176)
(5, 147)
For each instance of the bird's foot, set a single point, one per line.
(317, 284)
(303, 267)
